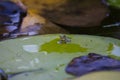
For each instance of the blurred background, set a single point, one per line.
(37, 17)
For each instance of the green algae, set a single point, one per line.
(110, 47)
(115, 3)
(54, 46)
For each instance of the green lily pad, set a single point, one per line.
(49, 58)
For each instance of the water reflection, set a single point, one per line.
(11, 16)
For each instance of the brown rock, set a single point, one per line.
(80, 13)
